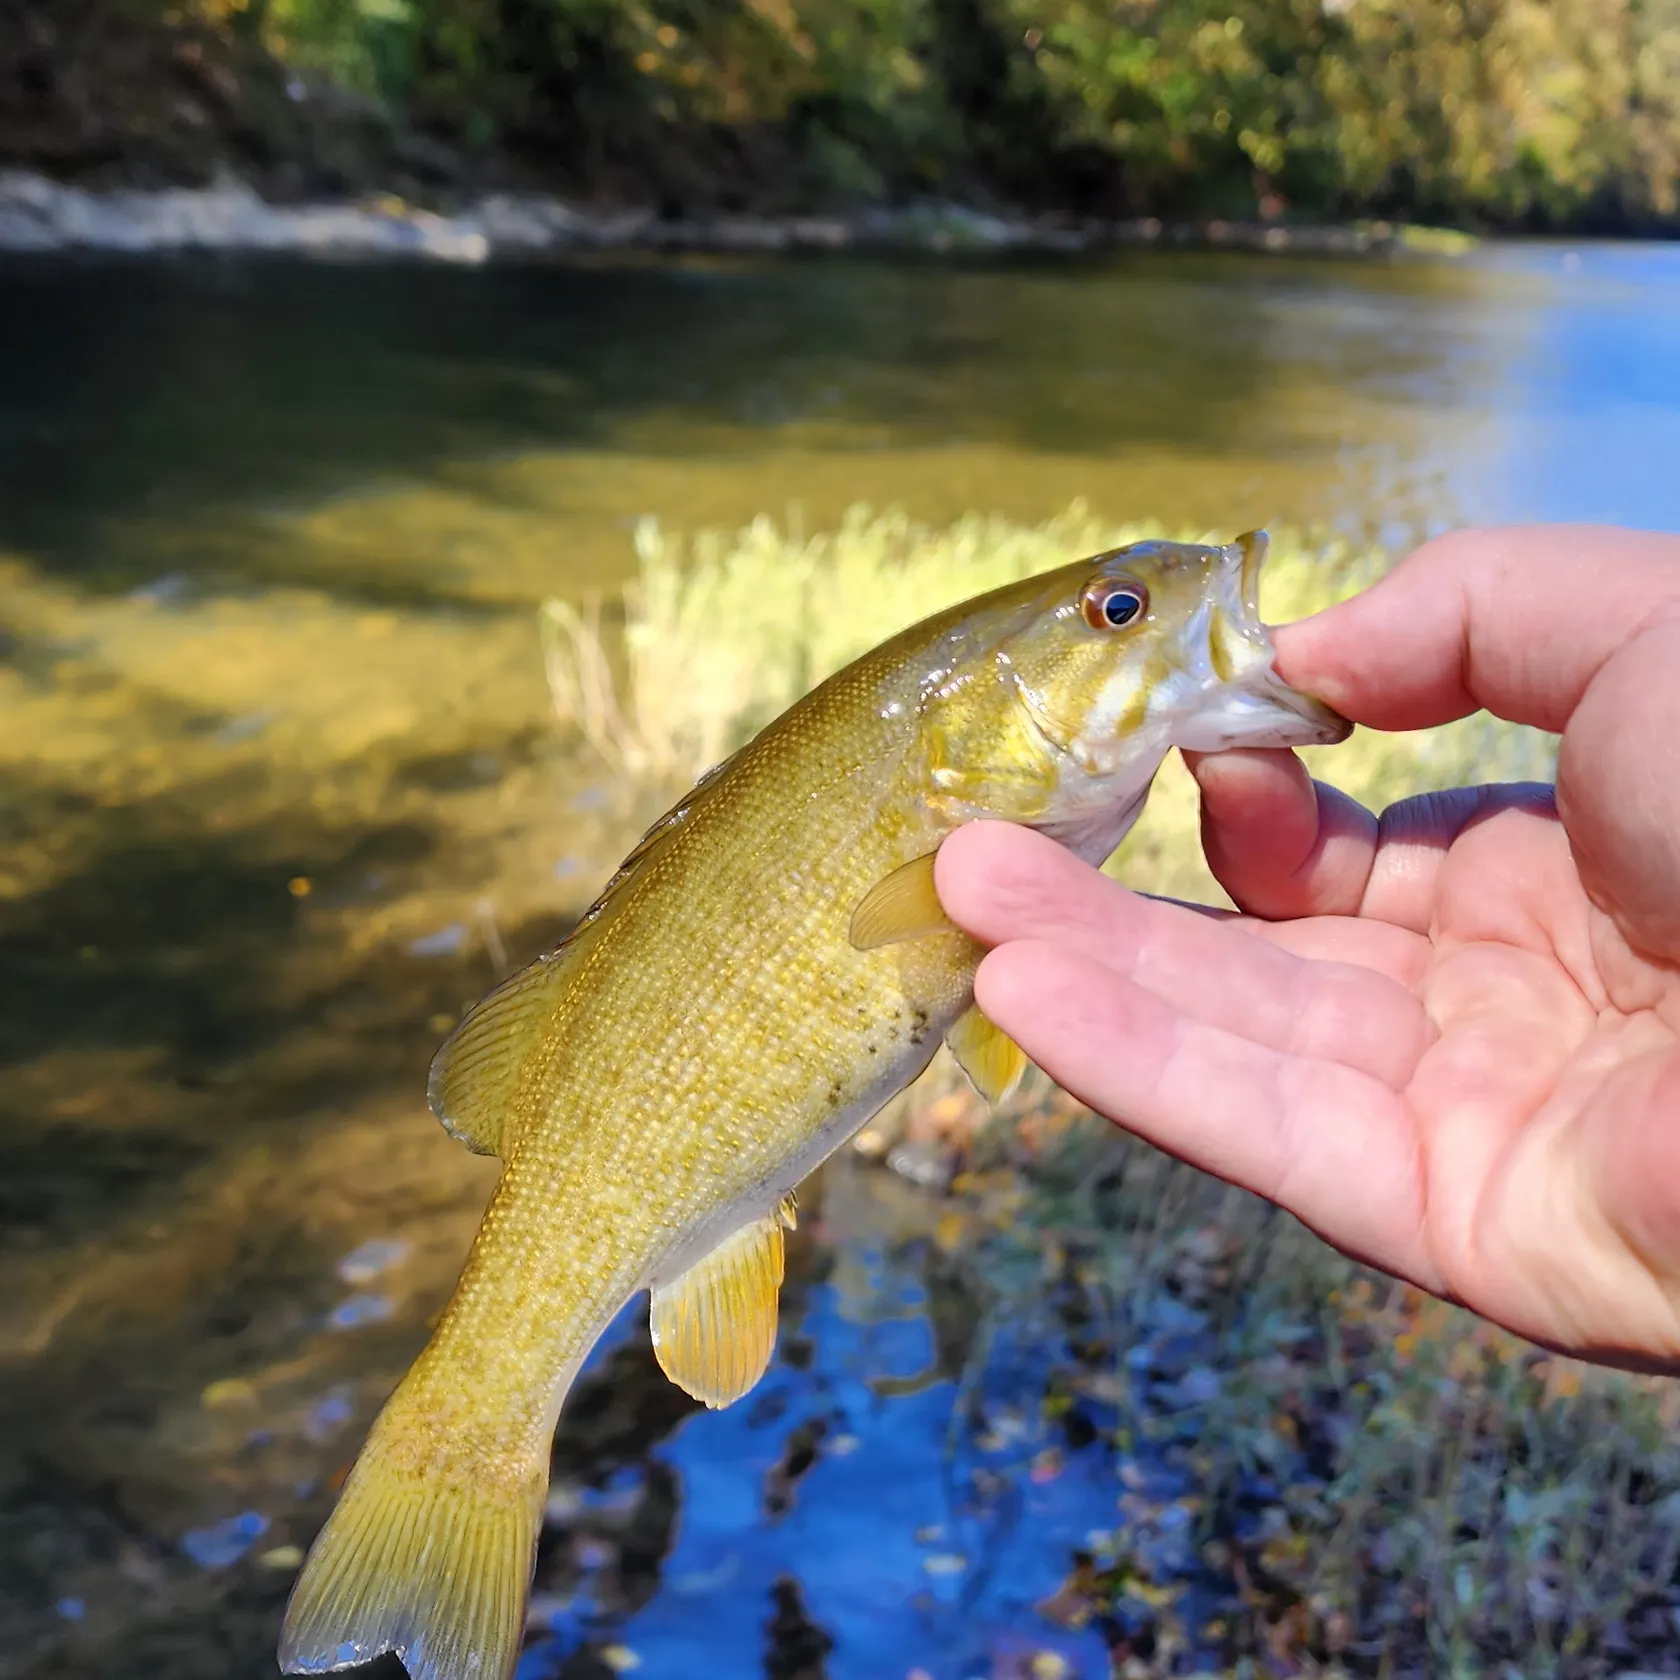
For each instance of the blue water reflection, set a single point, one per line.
(914, 1547)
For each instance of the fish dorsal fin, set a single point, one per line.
(476, 1070)
(993, 1061)
(475, 1074)
(902, 905)
(714, 1328)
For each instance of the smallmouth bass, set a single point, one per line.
(768, 966)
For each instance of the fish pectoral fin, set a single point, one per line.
(475, 1074)
(902, 905)
(993, 1061)
(714, 1328)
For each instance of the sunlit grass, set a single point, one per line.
(724, 631)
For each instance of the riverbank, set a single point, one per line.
(38, 214)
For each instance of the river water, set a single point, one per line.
(283, 792)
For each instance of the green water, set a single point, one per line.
(283, 790)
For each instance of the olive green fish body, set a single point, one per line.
(767, 968)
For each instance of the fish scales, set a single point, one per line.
(718, 1024)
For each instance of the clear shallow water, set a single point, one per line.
(1527, 382)
(282, 793)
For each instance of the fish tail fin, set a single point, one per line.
(427, 1555)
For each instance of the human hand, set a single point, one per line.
(1452, 1044)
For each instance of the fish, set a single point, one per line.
(769, 965)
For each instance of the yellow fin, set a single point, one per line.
(714, 1328)
(435, 1569)
(476, 1071)
(993, 1061)
(902, 905)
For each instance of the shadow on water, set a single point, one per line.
(188, 390)
(208, 1099)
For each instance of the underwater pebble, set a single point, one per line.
(244, 728)
(444, 943)
(281, 1557)
(360, 1309)
(945, 1563)
(591, 799)
(620, 1659)
(376, 1255)
(327, 1416)
(170, 587)
(565, 1500)
(924, 1164)
(565, 868)
(70, 1609)
(545, 1609)
(229, 1391)
(225, 1543)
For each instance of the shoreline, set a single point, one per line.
(40, 216)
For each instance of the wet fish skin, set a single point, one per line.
(766, 969)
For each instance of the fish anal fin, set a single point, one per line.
(902, 905)
(714, 1328)
(993, 1061)
(475, 1074)
(430, 1566)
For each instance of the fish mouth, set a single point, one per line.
(1255, 707)
(1280, 716)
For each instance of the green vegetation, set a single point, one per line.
(1504, 112)
(1386, 1485)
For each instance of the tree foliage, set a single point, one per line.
(1507, 112)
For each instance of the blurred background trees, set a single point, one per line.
(1510, 113)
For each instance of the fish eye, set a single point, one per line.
(1112, 606)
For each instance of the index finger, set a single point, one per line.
(1517, 619)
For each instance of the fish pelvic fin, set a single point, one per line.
(994, 1062)
(714, 1328)
(902, 905)
(429, 1560)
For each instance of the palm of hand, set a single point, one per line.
(1455, 1076)
(1543, 1191)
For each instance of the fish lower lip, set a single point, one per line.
(1324, 727)
(1269, 714)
